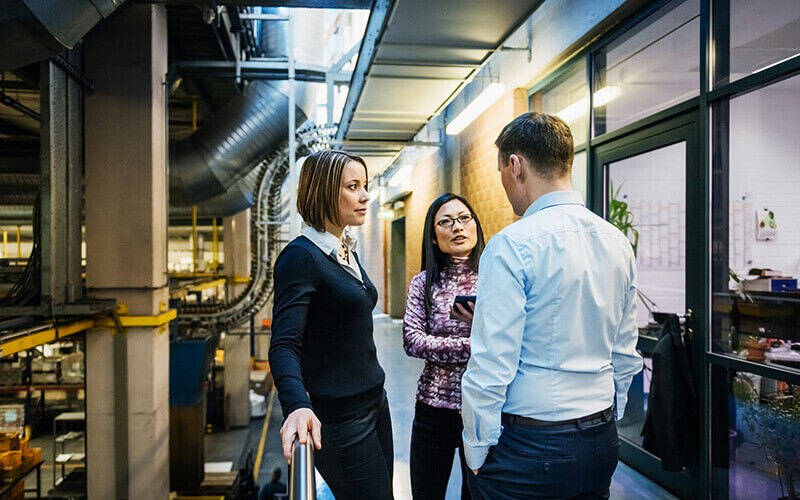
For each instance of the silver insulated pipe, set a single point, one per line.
(229, 145)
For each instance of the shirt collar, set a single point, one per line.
(328, 242)
(554, 198)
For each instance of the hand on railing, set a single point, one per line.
(302, 480)
(297, 426)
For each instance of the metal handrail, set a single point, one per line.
(302, 481)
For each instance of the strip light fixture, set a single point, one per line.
(578, 108)
(402, 175)
(486, 98)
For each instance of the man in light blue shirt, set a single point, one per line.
(554, 334)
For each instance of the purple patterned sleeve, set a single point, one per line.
(418, 342)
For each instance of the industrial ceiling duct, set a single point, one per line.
(32, 30)
(247, 130)
(233, 201)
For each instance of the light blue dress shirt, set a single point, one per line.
(554, 334)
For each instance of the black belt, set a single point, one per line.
(601, 416)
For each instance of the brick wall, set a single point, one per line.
(425, 183)
(371, 251)
(480, 180)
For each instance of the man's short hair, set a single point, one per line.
(276, 474)
(544, 140)
(320, 184)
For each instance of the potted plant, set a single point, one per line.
(775, 421)
(622, 218)
(756, 349)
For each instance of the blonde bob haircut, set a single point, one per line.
(320, 185)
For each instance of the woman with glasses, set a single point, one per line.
(437, 330)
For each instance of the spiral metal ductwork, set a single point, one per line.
(272, 37)
(213, 159)
(18, 189)
(264, 238)
(32, 30)
(236, 199)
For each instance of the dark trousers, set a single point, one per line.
(540, 462)
(435, 437)
(357, 455)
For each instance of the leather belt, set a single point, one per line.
(601, 416)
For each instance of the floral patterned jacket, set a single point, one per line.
(442, 342)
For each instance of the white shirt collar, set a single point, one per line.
(328, 242)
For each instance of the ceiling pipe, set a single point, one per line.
(33, 30)
(229, 145)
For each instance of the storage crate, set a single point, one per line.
(72, 368)
(9, 441)
(10, 373)
(12, 417)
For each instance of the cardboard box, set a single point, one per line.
(770, 285)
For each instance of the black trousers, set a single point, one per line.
(435, 437)
(574, 462)
(357, 455)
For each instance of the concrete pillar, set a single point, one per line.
(236, 232)
(236, 236)
(127, 374)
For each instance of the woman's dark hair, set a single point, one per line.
(433, 259)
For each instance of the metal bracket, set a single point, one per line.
(528, 49)
(70, 70)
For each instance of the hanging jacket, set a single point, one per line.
(671, 426)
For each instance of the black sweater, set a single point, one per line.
(322, 340)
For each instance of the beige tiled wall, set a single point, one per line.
(480, 180)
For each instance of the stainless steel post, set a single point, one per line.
(302, 482)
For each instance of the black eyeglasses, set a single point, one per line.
(448, 223)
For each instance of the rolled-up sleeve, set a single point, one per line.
(294, 287)
(417, 342)
(625, 360)
(497, 332)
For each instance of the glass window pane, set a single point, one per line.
(647, 192)
(580, 174)
(567, 97)
(763, 229)
(652, 67)
(762, 34)
(756, 433)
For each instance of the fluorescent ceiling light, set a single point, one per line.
(776, 63)
(475, 108)
(402, 174)
(578, 109)
(573, 111)
(606, 95)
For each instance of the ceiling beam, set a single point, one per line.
(378, 17)
(307, 4)
(250, 70)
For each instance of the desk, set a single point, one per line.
(24, 475)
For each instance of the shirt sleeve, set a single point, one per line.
(294, 287)
(417, 342)
(497, 332)
(625, 360)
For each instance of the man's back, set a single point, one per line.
(573, 275)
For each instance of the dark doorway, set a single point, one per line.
(397, 271)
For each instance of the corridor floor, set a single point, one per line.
(401, 377)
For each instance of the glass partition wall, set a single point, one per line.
(755, 321)
(688, 115)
